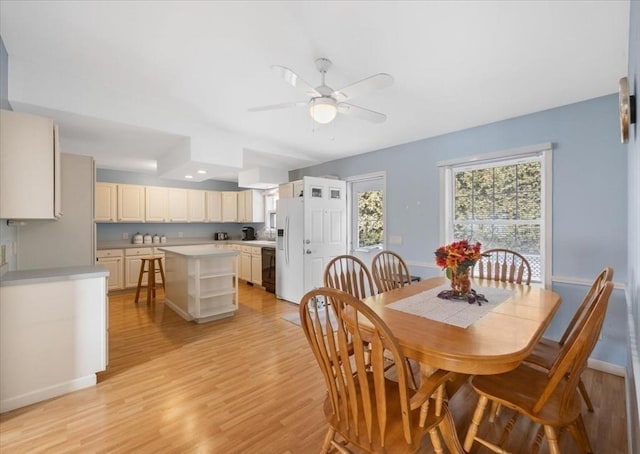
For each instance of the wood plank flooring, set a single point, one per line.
(247, 384)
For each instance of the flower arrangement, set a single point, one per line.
(457, 259)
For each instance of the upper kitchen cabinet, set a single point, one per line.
(291, 189)
(229, 206)
(178, 205)
(157, 201)
(197, 205)
(214, 206)
(29, 167)
(106, 204)
(131, 203)
(250, 206)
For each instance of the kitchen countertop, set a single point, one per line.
(68, 273)
(125, 244)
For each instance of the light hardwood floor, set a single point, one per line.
(248, 384)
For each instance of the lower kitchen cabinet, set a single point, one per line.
(114, 261)
(132, 263)
(53, 333)
(256, 265)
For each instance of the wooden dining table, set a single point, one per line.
(497, 342)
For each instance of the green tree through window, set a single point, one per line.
(370, 218)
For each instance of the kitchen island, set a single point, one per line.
(201, 281)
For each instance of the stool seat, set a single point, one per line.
(152, 265)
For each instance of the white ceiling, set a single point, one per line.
(136, 83)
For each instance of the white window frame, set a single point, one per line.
(505, 157)
(350, 214)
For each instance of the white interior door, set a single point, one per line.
(325, 229)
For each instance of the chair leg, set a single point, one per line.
(585, 395)
(579, 433)
(328, 438)
(552, 440)
(161, 272)
(475, 422)
(435, 441)
(151, 275)
(139, 281)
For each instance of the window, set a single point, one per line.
(502, 200)
(366, 195)
(270, 200)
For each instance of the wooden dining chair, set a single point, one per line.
(503, 265)
(364, 407)
(349, 274)
(547, 350)
(389, 271)
(549, 398)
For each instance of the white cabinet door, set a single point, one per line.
(28, 171)
(106, 203)
(242, 207)
(115, 267)
(132, 265)
(285, 191)
(245, 266)
(178, 205)
(130, 203)
(157, 201)
(256, 266)
(229, 206)
(197, 205)
(253, 206)
(214, 206)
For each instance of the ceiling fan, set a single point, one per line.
(325, 102)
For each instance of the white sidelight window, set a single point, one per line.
(502, 200)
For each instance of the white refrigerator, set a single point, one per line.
(311, 229)
(290, 249)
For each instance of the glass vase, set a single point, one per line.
(460, 282)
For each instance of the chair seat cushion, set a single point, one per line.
(519, 389)
(395, 441)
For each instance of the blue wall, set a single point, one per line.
(589, 198)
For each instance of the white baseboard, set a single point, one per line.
(39, 395)
(609, 368)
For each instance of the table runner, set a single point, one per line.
(457, 313)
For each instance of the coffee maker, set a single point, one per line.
(248, 233)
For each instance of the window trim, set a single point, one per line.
(544, 152)
(358, 179)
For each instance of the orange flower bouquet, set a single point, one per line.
(457, 259)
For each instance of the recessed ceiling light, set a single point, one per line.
(188, 176)
(202, 171)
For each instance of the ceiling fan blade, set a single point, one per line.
(284, 105)
(361, 112)
(375, 82)
(296, 81)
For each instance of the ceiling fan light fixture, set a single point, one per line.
(323, 110)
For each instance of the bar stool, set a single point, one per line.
(153, 265)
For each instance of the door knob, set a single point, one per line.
(308, 251)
